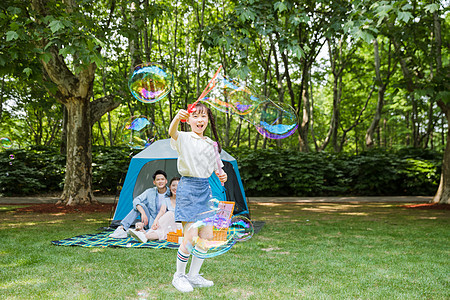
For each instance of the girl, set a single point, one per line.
(164, 221)
(196, 162)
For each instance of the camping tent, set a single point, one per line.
(160, 156)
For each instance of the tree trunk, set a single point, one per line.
(200, 21)
(303, 129)
(78, 177)
(443, 193)
(63, 142)
(380, 103)
(1, 96)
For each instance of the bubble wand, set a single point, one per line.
(208, 88)
(216, 150)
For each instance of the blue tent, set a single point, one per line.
(160, 156)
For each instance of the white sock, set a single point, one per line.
(196, 263)
(182, 260)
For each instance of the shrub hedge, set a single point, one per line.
(264, 172)
(372, 173)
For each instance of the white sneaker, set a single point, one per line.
(119, 233)
(199, 281)
(181, 283)
(139, 235)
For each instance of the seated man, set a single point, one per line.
(147, 205)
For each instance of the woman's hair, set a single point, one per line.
(201, 107)
(170, 183)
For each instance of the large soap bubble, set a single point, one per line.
(6, 142)
(230, 96)
(208, 237)
(139, 132)
(216, 231)
(150, 82)
(272, 119)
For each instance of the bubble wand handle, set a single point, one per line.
(208, 88)
(216, 150)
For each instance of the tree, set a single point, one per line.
(442, 81)
(61, 37)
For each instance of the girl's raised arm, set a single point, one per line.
(173, 128)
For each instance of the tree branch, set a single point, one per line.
(101, 106)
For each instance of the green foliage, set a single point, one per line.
(377, 172)
(108, 166)
(267, 172)
(41, 170)
(33, 170)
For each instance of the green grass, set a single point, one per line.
(304, 251)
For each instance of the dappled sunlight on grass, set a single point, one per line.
(354, 213)
(242, 293)
(20, 283)
(6, 208)
(98, 250)
(14, 264)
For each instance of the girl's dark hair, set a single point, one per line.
(200, 107)
(170, 183)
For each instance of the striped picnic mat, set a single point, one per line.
(103, 240)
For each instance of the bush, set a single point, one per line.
(372, 173)
(109, 166)
(41, 170)
(264, 172)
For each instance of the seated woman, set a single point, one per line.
(164, 221)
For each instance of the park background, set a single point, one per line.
(368, 81)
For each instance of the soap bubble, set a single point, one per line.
(275, 120)
(241, 228)
(214, 204)
(11, 156)
(139, 132)
(150, 82)
(272, 119)
(213, 236)
(229, 96)
(208, 237)
(6, 142)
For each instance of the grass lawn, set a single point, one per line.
(304, 251)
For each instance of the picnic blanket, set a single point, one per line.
(103, 240)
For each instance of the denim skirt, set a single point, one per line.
(193, 196)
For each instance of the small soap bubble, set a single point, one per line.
(241, 228)
(11, 156)
(214, 204)
(139, 132)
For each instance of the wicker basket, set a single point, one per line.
(220, 235)
(174, 237)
